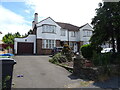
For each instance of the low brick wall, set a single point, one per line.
(92, 73)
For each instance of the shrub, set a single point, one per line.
(118, 59)
(101, 59)
(66, 49)
(8, 47)
(3, 85)
(67, 52)
(87, 51)
(58, 58)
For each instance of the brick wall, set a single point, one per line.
(41, 51)
(46, 51)
(39, 46)
(58, 43)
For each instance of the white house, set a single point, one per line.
(49, 33)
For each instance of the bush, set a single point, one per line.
(87, 51)
(115, 58)
(67, 52)
(101, 59)
(58, 58)
(66, 49)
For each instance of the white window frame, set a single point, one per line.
(73, 33)
(48, 28)
(48, 44)
(87, 33)
(63, 32)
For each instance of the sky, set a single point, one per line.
(17, 15)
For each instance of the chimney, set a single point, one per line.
(33, 24)
(36, 18)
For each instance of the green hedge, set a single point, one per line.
(87, 51)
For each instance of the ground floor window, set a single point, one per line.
(48, 44)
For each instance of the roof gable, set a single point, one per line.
(49, 18)
(86, 25)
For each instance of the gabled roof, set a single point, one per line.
(83, 25)
(68, 26)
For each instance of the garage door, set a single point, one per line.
(25, 48)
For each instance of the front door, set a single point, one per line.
(75, 47)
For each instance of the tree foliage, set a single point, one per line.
(106, 24)
(9, 38)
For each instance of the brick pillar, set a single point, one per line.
(58, 43)
(39, 46)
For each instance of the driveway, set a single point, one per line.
(38, 72)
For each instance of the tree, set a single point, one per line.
(9, 38)
(30, 32)
(106, 24)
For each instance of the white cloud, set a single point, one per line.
(76, 12)
(11, 22)
(27, 11)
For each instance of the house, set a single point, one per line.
(6, 48)
(49, 33)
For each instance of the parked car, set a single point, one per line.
(56, 50)
(105, 50)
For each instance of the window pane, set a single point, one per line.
(46, 43)
(49, 43)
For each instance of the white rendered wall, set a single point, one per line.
(30, 38)
(71, 38)
(64, 38)
(41, 35)
(81, 33)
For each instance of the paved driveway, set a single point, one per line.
(38, 72)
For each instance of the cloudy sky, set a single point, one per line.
(17, 15)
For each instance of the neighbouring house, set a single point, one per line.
(6, 48)
(49, 33)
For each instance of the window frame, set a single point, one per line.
(46, 28)
(48, 44)
(87, 33)
(63, 32)
(73, 34)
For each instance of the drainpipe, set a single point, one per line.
(68, 37)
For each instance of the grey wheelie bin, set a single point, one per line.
(6, 72)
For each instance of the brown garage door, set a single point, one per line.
(25, 48)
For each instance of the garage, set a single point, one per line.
(25, 48)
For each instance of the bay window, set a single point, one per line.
(87, 33)
(48, 28)
(48, 44)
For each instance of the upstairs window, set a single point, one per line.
(87, 33)
(73, 34)
(48, 28)
(63, 32)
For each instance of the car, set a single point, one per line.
(106, 50)
(56, 50)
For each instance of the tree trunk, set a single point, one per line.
(113, 44)
(118, 44)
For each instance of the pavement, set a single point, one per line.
(38, 72)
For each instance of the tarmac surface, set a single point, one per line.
(38, 72)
